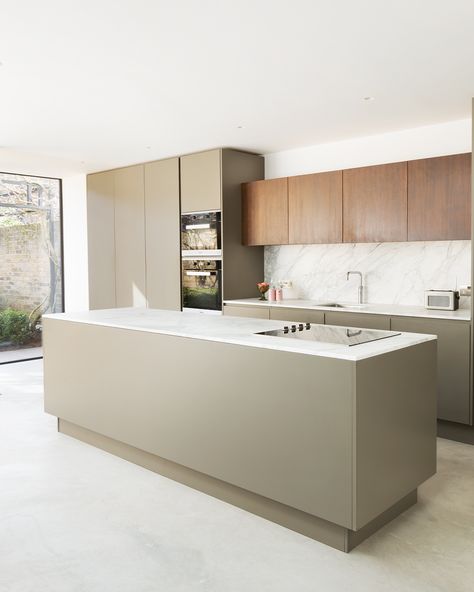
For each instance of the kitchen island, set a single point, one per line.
(327, 439)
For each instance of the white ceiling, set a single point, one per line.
(106, 83)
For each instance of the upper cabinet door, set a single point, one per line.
(130, 236)
(315, 208)
(265, 212)
(201, 182)
(439, 198)
(375, 204)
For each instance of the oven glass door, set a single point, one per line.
(201, 284)
(201, 234)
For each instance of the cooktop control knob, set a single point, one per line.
(286, 329)
(293, 328)
(308, 325)
(300, 327)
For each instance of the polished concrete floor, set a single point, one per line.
(25, 353)
(74, 519)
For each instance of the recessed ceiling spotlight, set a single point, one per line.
(148, 147)
(240, 127)
(368, 99)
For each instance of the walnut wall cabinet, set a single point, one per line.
(315, 208)
(428, 199)
(265, 212)
(375, 203)
(439, 198)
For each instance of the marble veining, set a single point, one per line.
(394, 273)
(229, 329)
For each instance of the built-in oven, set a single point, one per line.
(201, 235)
(202, 284)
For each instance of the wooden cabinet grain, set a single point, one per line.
(439, 198)
(375, 203)
(163, 257)
(130, 274)
(454, 395)
(359, 320)
(201, 183)
(265, 212)
(315, 208)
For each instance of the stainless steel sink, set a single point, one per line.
(338, 305)
(331, 305)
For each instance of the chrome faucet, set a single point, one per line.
(361, 287)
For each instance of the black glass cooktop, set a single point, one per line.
(330, 334)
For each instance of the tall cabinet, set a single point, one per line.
(130, 273)
(133, 236)
(162, 231)
(212, 180)
(101, 239)
(134, 227)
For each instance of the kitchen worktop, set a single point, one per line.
(236, 330)
(463, 314)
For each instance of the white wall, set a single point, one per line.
(74, 216)
(422, 142)
(394, 273)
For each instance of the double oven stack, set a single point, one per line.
(201, 261)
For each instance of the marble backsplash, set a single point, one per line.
(394, 273)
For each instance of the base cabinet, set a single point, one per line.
(454, 352)
(251, 312)
(359, 320)
(297, 315)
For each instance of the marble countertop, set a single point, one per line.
(463, 314)
(228, 329)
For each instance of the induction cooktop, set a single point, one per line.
(330, 334)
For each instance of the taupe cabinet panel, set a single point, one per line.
(242, 266)
(439, 198)
(201, 181)
(310, 432)
(265, 212)
(130, 237)
(254, 312)
(454, 396)
(315, 208)
(163, 260)
(362, 320)
(101, 240)
(375, 203)
(297, 315)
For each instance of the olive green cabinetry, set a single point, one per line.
(454, 346)
(297, 315)
(354, 319)
(454, 357)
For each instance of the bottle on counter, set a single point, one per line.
(279, 292)
(272, 292)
